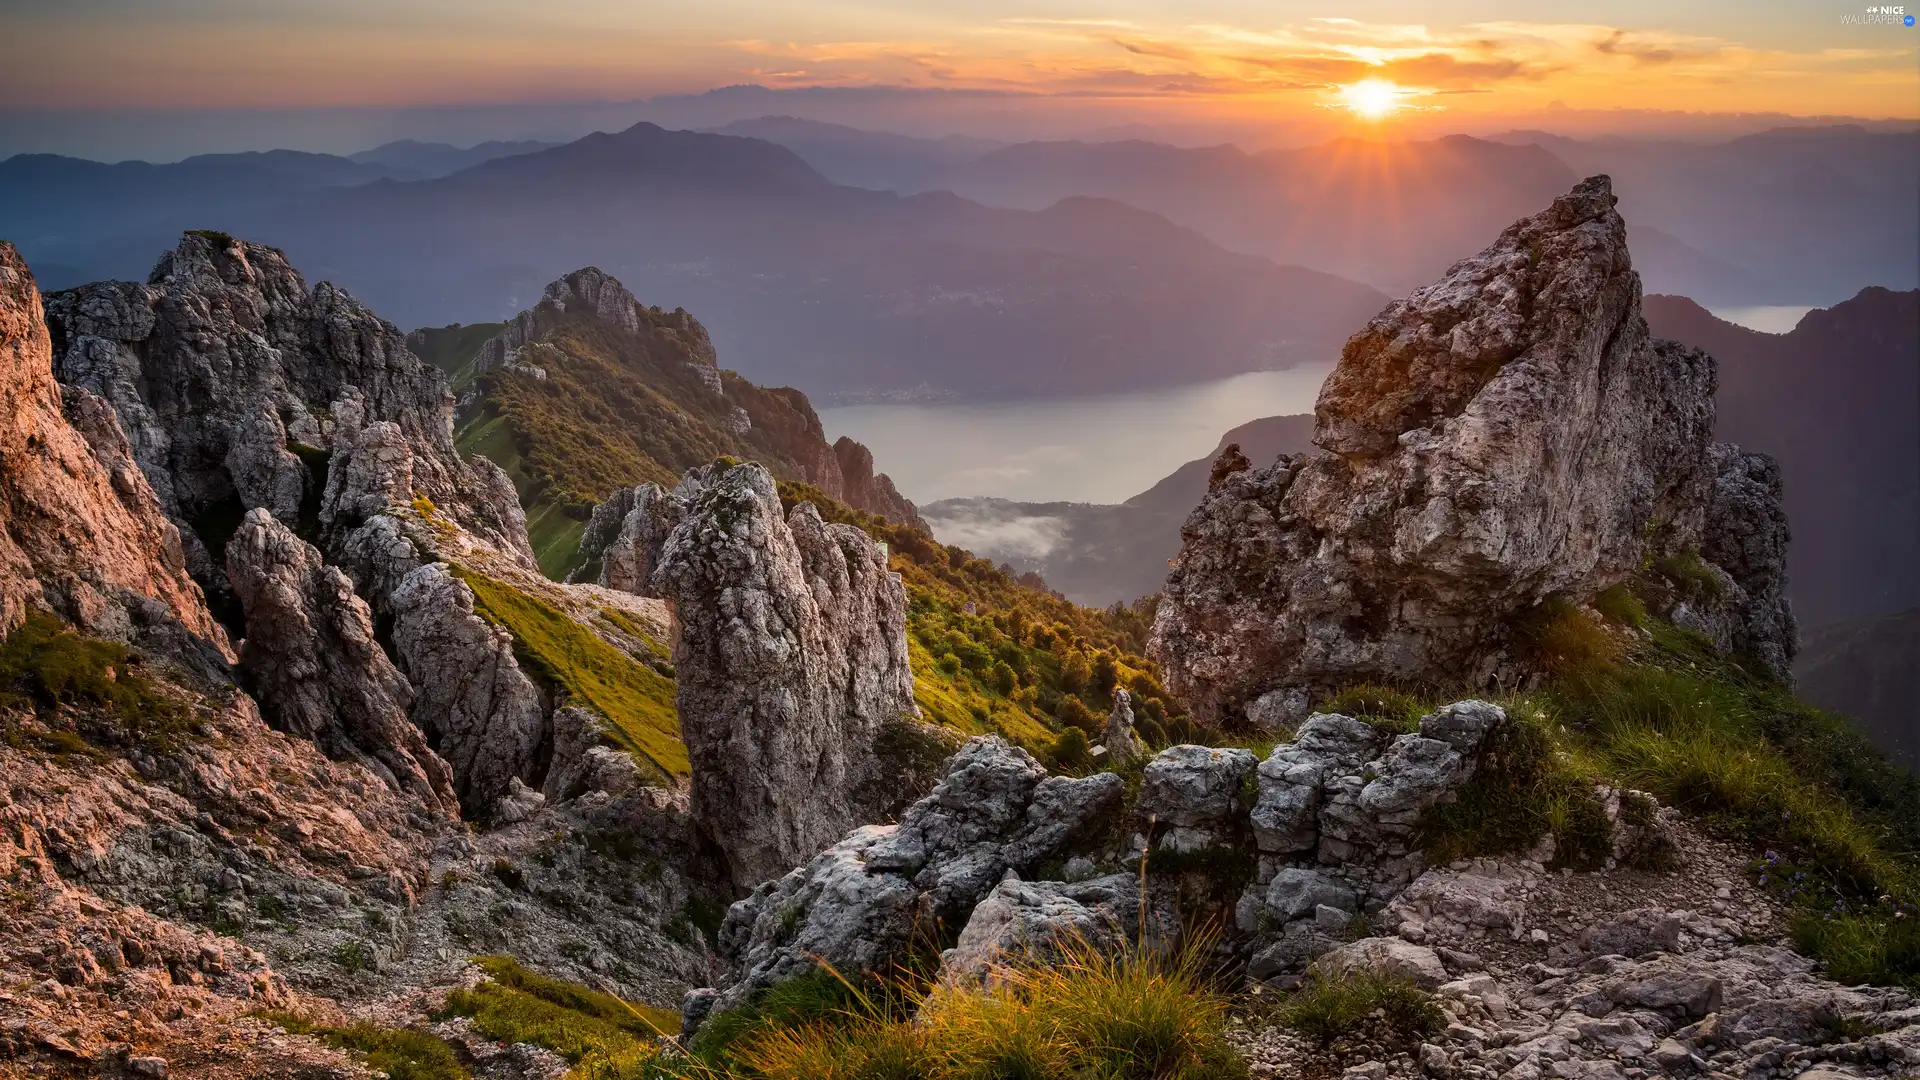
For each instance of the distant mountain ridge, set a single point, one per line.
(1837, 400)
(837, 289)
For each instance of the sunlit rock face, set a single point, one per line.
(81, 531)
(1504, 435)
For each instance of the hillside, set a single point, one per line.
(1864, 668)
(591, 391)
(1837, 400)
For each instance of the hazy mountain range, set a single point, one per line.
(830, 288)
(1789, 216)
(832, 258)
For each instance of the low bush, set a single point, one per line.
(1328, 1008)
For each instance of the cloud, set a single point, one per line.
(1642, 51)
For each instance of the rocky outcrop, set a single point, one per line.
(80, 529)
(311, 656)
(859, 905)
(867, 490)
(1507, 434)
(235, 382)
(1122, 744)
(482, 713)
(791, 655)
(1335, 823)
(1746, 536)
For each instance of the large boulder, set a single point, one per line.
(1507, 434)
(791, 655)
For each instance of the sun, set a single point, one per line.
(1373, 99)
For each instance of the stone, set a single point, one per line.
(311, 656)
(867, 490)
(1746, 536)
(1286, 813)
(1389, 956)
(791, 655)
(483, 712)
(153, 1067)
(860, 904)
(1038, 920)
(1195, 788)
(1498, 437)
(1117, 738)
(1635, 933)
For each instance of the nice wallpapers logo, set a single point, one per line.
(1883, 15)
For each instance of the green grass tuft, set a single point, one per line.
(400, 1053)
(44, 664)
(1386, 708)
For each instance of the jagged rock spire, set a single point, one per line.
(791, 655)
(1506, 434)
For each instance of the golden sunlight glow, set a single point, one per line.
(1373, 99)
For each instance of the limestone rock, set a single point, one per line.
(484, 714)
(859, 904)
(311, 656)
(1123, 744)
(81, 530)
(1500, 436)
(1037, 920)
(791, 655)
(1746, 535)
(1389, 956)
(1194, 792)
(233, 379)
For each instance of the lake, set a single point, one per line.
(1767, 318)
(1100, 448)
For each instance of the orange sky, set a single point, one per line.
(1222, 59)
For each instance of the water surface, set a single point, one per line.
(1099, 448)
(1766, 318)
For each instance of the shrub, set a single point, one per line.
(1328, 1008)
(1070, 751)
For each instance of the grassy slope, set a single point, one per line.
(1636, 702)
(453, 348)
(635, 698)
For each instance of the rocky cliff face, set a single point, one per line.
(864, 489)
(80, 529)
(232, 379)
(791, 655)
(1507, 434)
